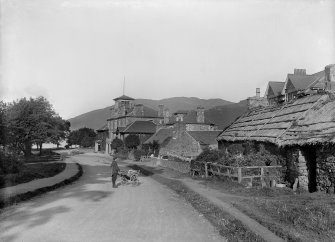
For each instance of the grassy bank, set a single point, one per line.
(31, 172)
(293, 216)
(25, 196)
(228, 226)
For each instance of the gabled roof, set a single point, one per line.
(161, 135)
(306, 120)
(123, 97)
(274, 89)
(205, 137)
(140, 127)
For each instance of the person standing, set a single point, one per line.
(114, 171)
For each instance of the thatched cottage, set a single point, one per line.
(302, 130)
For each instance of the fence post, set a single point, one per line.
(239, 173)
(206, 170)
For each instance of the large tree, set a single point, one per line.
(84, 137)
(32, 121)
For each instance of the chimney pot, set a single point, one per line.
(299, 71)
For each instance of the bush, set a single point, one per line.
(122, 154)
(10, 163)
(132, 141)
(138, 154)
(208, 155)
(117, 144)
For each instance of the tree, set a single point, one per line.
(3, 122)
(132, 141)
(84, 137)
(117, 144)
(31, 121)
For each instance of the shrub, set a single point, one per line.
(122, 154)
(10, 163)
(132, 141)
(117, 144)
(138, 154)
(208, 155)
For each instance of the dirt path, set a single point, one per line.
(214, 197)
(91, 210)
(219, 199)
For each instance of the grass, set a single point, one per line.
(293, 216)
(228, 227)
(31, 172)
(25, 196)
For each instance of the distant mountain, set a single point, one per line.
(225, 115)
(219, 111)
(183, 103)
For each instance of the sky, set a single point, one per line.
(76, 53)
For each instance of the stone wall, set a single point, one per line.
(325, 163)
(183, 167)
(181, 144)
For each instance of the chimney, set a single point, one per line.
(166, 115)
(139, 110)
(256, 101)
(258, 92)
(200, 115)
(330, 76)
(160, 110)
(300, 72)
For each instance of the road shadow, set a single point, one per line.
(94, 186)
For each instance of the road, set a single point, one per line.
(91, 210)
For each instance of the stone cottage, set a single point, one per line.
(185, 134)
(302, 130)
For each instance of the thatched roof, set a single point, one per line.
(307, 120)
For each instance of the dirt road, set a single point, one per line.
(91, 210)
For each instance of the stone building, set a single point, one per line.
(127, 118)
(302, 130)
(186, 134)
(297, 84)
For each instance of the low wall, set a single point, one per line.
(183, 167)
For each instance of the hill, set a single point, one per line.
(225, 115)
(219, 111)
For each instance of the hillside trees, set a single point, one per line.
(84, 137)
(30, 121)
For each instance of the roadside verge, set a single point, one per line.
(22, 192)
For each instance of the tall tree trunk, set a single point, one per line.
(40, 148)
(27, 149)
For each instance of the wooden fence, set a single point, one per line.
(240, 174)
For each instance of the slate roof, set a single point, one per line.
(190, 117)
(306, 120)
(274, 89)
(205, 137)
(140, 127)
(161, 135)
(123, 97)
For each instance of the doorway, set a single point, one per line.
(310, 156)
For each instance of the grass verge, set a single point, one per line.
(228, 227)
(31, 172)
(25, 196)
(293, 216)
